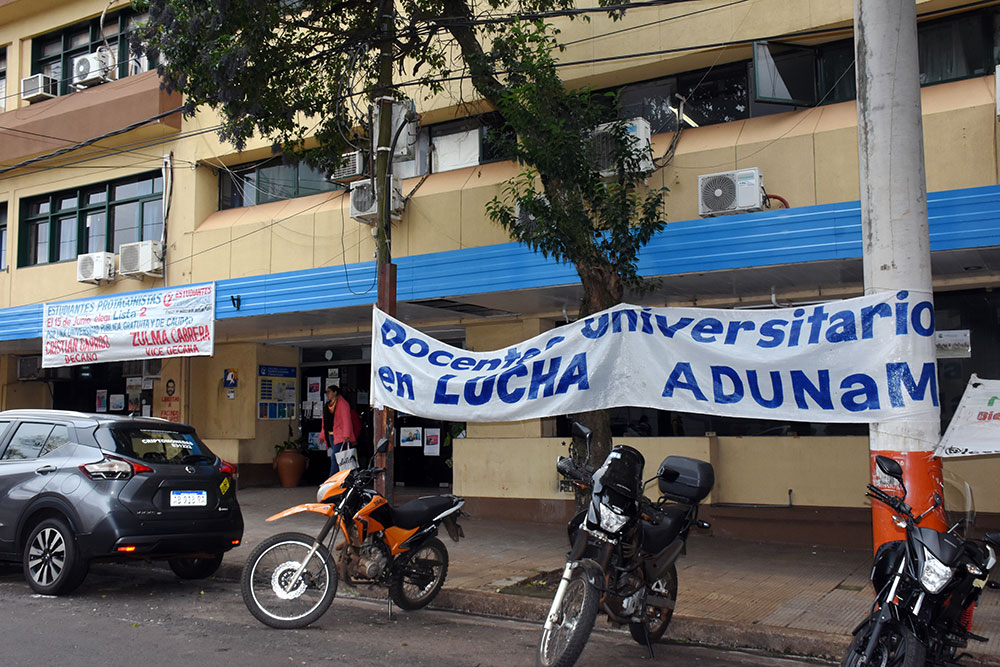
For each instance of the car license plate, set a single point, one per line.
(188, 498)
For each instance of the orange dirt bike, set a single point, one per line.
(290, 579)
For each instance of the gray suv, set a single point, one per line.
(76, 488)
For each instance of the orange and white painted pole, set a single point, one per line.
(896, 245)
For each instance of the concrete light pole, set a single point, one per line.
(896, 245)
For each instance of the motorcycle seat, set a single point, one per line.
(669, 522)
(421, 511)
(993, 537)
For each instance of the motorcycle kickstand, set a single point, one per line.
(389, 600)
(649, 644)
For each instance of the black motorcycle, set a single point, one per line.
(624, 549)
(927, 587)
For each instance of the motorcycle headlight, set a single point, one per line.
(935, 575)
(323, 490)
(611, 518)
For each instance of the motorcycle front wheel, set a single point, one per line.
(896, 647)
(564, 642)
(272, 592)
(657, 617)
(418, 577)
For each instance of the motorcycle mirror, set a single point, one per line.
(582, 432)
(383, 446)
(938, 501)
(890, 467)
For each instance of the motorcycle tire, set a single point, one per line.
(657, 618)
(562, 645)
(897, 647)
(417, 577)
(268, 591)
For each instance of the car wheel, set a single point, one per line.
(195, 568)
(51, 559)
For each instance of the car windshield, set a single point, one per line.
(161, 445)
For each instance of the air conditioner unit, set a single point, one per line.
(30, 368)
(523, 217)
(38, 87)
(352, 167)
(364, 206)
(402, 114)
(144, 258)
(93, 68)
(94, 267)
(152, 368)
(638, 130)
(728, 192)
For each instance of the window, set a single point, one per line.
(3, 236)
(161, 445)
(27, 442)
(470, 141)
(57, 438)
(3, 78)
(52, 54)
(271, 180)
(95, 218)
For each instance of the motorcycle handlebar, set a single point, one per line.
(893, 502)
(567, 468)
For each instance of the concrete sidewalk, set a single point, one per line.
(789, 599)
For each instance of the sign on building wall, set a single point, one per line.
(276, 392)
(846, 361)
(975, 428)
(162, 323)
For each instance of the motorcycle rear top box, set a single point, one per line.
(694, 479)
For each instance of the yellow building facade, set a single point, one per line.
(87, 168)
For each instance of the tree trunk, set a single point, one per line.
(602, 288)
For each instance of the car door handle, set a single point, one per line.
(45, 470)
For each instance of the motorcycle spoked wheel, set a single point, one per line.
(896, 647)
(657, 618)
(418, 577)
(269, 592)
(563, 644)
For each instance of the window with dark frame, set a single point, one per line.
(3, 78)
(96, 218)
(52, 54)
(270, 180)
(3, 236)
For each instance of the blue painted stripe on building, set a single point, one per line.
(965, 218)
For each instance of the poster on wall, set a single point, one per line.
(117, 402)
(410, 436)
(276, 392)
(153, 324)
(432, 442)
(102, 401)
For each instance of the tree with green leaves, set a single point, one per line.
(297, 72)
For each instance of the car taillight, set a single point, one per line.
(114, 468)
(227, 468)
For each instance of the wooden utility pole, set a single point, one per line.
(895, 240)
(385, 417)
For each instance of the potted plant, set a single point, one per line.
(290, 460)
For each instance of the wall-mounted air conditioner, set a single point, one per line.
(638, 131)
(402, 114)
(38, 87)
(352, 167)
(30, 368)
(94, 267)
(93, 68)
(144, 258)
(364, 205)
(728, 192)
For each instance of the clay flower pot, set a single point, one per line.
(290, 465)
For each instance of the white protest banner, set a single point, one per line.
(169, 322)
(975, 428)
(846, 361)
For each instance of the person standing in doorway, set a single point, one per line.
(338, 426)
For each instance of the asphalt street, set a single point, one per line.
(142, 615)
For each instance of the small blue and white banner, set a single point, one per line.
(845, 361)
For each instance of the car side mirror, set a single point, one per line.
(383, 446)
(890, 467)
